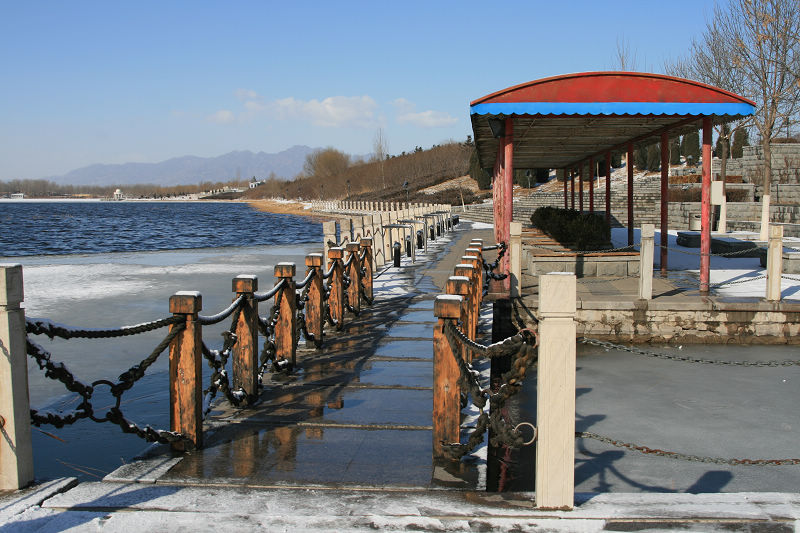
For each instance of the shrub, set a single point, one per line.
(586, 231)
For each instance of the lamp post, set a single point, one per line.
(405, 186)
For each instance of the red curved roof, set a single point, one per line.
(612, 87)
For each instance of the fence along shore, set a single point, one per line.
(336, 285)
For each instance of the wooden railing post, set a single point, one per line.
(336, 297)
(354, 273)
(369, 269)
(774, 262)
(286, 327)
(471, 258)
(555, 402)
(315, 318)
(446, 392)
(16, 450)
(185, 371)
(328, 235)
(461, 286)
(515, 258)
(471, 327)
(245, 351)
(646, 249)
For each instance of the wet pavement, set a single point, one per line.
(357, 412)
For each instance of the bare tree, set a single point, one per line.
(625, 58)
(379, 144)
(761, 37)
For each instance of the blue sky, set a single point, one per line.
(111, 82)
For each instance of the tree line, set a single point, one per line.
(49, 189)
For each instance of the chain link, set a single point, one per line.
(46, 327)
(683, 456)
(682, 358)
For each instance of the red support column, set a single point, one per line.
(629, 166)
(572, 188)
(705, 208)
(591, 185)
(608, 188)
(508, 213)
(664, 201)
(580, 188)
(565, 189)
(497, 191)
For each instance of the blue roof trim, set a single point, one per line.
(612, 108)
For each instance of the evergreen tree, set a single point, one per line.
(739, 140)
(654, 157)
(675, 151)
(690, 147)
(640, 158)
(477, 173)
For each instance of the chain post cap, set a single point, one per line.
(366, 242)
(185, 302)
(314, 260)
(245, 283)
(352, 247)
(335, 253)
(459, 285)
(285, 270)
(447, 306)
(473, 251)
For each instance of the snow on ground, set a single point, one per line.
(723, 269)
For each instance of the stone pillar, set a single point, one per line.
(328, 235)
(344, 231)
(646, 262)
(555, 412)
(774, 262)
(16, 451)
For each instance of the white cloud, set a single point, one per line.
(406, 113)
(244, 95)
(334, 111)
(223, 116)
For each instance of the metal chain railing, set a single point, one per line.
(40, 326)
(522, 348)
(126, 380)
(683, 358)
(683, 456)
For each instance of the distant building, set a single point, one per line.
(118, 195)
(17, 196)
(254, 184)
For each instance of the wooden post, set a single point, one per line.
(446, 392)
(646, 262)
(515, 251)
(774, 262)
(608, 188)
(629, 169)
(566, 199)
(185, 371)
(580, 188)
(315, 317)
(328, 235)
(555, 411)
(286, 327)
(461, 286)
(369, 269)
(354, 273)
(245, 351)
(16, 450)
(572, 188)
(705, 208)
(336, 297)
(477, 251)
(477, 284)
(665, 202)
(468, 271)
(591, 184)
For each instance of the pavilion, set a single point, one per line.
(571, 121)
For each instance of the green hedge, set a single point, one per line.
(584, 230)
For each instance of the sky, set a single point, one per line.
(85, 82)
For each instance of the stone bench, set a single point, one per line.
(600, 264)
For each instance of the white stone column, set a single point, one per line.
(328, 234)
(555, 411)
(16, 451)
(515, 251)
(774, 262)
(646, 262)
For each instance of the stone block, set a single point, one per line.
(615, 269)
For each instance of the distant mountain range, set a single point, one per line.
(191, 169)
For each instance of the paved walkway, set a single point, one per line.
(345, 444)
